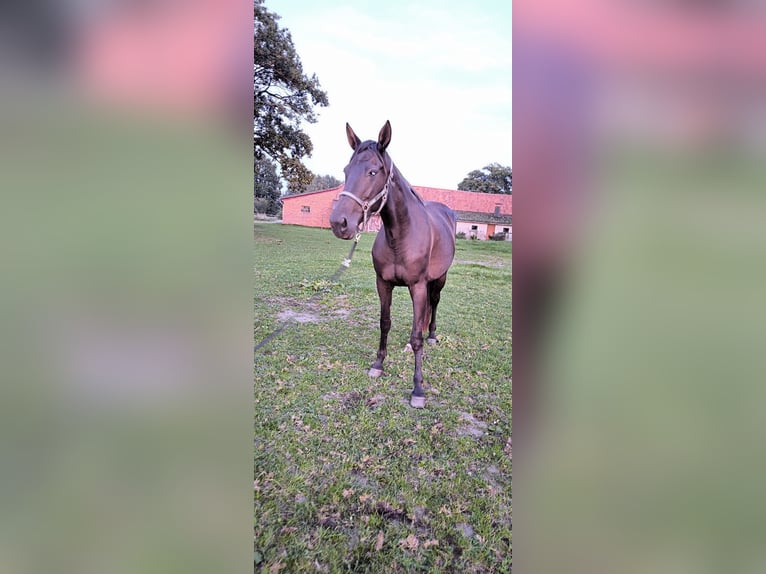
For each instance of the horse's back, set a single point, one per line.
(442, 216)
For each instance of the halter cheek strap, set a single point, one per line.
(365, 205)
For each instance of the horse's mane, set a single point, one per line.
(415, 193)
(373, 146)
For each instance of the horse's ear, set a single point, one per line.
(353, 140)
(384, 137)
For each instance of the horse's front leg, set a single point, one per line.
(419, 294)
(385, 290)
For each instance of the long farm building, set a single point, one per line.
(479, 215)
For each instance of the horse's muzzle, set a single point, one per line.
(340, 227)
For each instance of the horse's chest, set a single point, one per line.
(400, 266)
(401, 273)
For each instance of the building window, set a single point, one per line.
(497, 210)
(474, 228)
(306, 209)
(506, 230)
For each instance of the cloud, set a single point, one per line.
(440, 73)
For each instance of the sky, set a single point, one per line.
(440, 71)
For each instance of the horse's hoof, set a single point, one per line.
(407, 348)
(417, 402)
(373, 372)
(432, 341)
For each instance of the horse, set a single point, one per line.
(414, 247)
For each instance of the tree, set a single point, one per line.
(323, 182)
(493, 178)
(283, 98)
(266, 187)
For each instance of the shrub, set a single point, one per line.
(497, 237)
(460, 235)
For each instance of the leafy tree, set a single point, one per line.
(283, 98)
(493, 178)
(323, 182)
(266, 186)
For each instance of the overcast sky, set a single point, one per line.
(440, 70)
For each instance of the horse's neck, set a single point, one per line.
(401, 209)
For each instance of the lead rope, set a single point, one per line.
(347, 261)
(284, 324)
(343, 266)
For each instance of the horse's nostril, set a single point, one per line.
(343, 223)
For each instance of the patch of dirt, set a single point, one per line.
(492, 477)
(297, 316)
(374, 402)
(471, 426)
(361, 481)
(341, 307)
(465, 529)
(398, 512)
(353, 398)
(311, 311)
(389, 511)
(492, 264)
(329, 520)
(346, 400)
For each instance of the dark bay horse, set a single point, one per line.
(414, 247)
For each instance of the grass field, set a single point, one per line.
(348, 477)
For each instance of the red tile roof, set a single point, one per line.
(468, 200)
(294, 195)
(455, 199)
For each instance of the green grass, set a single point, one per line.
(348, 477)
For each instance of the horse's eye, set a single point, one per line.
(372, 172)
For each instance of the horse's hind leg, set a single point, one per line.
(434, 295)
(385, 290)
(419, 294)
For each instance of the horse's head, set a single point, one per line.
(368, 176)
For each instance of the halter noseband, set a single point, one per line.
(365, 205)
